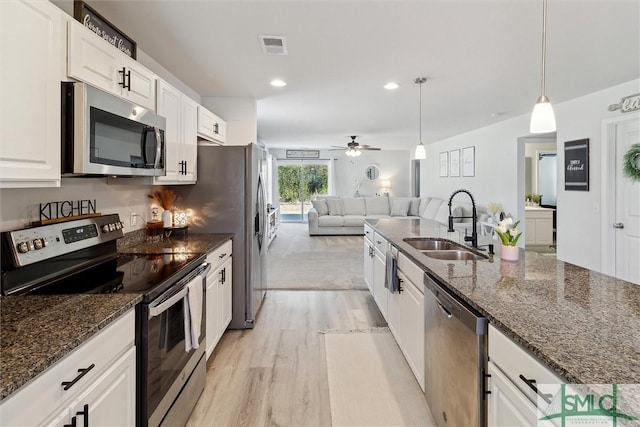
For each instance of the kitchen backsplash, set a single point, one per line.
(19, 207)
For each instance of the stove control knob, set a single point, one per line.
(105, 228)
(118, 226)
(112, 227)
(23, 247)
(38, 244)
(121, 224)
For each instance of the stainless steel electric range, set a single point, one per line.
(80, 257)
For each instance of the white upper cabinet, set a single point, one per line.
(211, 127)
(31, 52)
(95, 61)
(180, 136)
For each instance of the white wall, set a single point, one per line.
(241, 115)
(500, 164)
(394, 165)
(18, 207)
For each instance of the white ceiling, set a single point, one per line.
(480, 56)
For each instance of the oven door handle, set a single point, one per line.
(163, 306)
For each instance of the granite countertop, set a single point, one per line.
(37, 331)
(189, 243)
(582, 324)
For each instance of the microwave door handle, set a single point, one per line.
(164, 306)
(143, 144)
(156, 164)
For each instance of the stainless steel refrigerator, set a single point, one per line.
(229, 197)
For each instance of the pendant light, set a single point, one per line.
(543, 120)
(420, 151)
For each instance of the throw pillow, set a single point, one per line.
(321, 207)
(400, 207)
(377, 205)
(353, 206)
(335, 206)
(432, 209)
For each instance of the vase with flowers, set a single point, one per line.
(165, 198)
(507, 230)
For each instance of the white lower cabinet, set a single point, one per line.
(412, 327)
(513, 401)
(380, 293)
(508, 407)
(219, 294)
(368, 263)
(100, 381)
(403, 311)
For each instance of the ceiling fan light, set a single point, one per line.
(420, 154)
(543, 120)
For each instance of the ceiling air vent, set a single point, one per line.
(273, 45)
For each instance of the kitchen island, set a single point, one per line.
(583, 325)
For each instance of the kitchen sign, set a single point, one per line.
(103, 28)
(576, 165)
(66, 209)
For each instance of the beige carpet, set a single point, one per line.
(297, 261)
(370, 383)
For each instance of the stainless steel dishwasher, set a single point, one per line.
(455, 358)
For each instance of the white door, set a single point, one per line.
(225, 301)
(507, 406)
(189, 137)
(169, 107)
(627, 214)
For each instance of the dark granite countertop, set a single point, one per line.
(37, 331)
(582, 324)
(191, 243)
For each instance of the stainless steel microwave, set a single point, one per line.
(106, 135)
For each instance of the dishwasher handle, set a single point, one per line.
(452, 306)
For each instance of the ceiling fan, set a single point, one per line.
(354, 149)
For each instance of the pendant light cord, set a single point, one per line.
(544, 44)
(420, 109)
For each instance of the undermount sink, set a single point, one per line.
(432, 244)
(454, 255)
(443, 249)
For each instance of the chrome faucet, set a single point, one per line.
(474, 217)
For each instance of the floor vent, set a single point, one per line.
(273, 45)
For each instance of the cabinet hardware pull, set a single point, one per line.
(215, 129)
(532, 385)
(618, 225)
(224, 276)
(85, 414)
(222, 256)
(82, 372)
(73, 423)
(123, 83)
(400, 285)
(378, 242)
(128, 86)
(485, 388)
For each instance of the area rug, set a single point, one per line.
(370, 383)
(296, 260)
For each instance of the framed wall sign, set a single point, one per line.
(576, 165)
(303, 154)
(91, 19)
(444, 163)
(454, 163)
(469, 161)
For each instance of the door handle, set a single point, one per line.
(618, 225)
(81, 373)
(532, 385)
(445, 311)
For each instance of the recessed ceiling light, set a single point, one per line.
(278, 83)
(391, 86)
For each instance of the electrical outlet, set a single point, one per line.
(133, 219)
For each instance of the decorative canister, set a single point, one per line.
(509, 253)
(167, 218)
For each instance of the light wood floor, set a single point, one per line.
(276, 373)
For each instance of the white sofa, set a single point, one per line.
(343, 215)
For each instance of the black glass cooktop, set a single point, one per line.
(148, 275)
